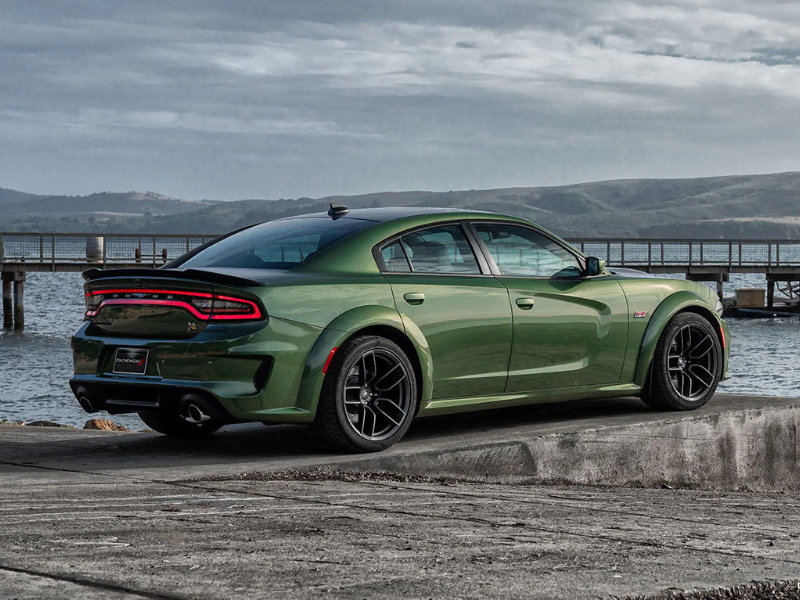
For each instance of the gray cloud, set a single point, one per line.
(290, 98)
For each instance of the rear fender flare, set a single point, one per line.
(344, 327)
(668, 308)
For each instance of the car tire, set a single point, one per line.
(173, 425)
(686, 366)
(368, 398)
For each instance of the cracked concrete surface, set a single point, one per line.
(110, 515)
(76, 534)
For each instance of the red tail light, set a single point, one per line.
(204, 306)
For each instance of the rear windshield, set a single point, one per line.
(275, 245)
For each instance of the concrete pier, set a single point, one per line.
(265, 511)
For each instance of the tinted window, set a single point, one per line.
(440, 250)
(275, 245)
(395, 259)
(523, 251)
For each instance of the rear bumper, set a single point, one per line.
(250, 373)
(130, 395)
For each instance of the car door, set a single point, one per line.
(445, 289)
(569, 330)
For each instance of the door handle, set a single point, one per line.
(414, 297)
(525, 303)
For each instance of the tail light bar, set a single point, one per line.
(203, 305)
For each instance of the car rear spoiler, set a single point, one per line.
(193, 274)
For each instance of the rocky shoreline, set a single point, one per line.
(95, 424)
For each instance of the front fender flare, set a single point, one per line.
(345, 326)
(668, 308)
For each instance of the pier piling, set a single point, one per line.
(8, 318)
(19, 301)
(770, 292)
(13, 299)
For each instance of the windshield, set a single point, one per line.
(276, 244)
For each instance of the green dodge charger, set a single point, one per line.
(357, 321)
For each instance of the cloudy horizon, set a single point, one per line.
(200, 99)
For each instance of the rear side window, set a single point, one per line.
(395, 259)
(276, 244)
(442, 249)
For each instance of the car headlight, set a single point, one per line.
(719, 308)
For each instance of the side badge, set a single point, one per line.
(191, 327)
(640, 314)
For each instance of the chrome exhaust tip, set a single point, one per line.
(195, 410)
(85, 401)
(195, 415)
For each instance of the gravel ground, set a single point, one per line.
(756, 590)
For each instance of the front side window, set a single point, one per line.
(276, 244)
(522, 251)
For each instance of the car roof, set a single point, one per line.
(383, 215)
(348, 255)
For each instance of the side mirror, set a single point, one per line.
(594, 266)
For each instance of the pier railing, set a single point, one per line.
(676, 255)
(68, 251)
(74, 252)
(701, 260)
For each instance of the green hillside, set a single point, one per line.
(742, 206)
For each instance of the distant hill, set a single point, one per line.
(117, 211)
(741, 206)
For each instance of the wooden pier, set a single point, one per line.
(704, 260)
(21, 253)
(699, 260)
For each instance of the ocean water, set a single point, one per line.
(35, 365)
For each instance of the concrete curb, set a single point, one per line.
(752, 448)
(734, 442)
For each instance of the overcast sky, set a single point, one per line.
(268, 99)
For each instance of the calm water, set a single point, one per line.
(36, 365)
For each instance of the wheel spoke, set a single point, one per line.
(363, 419)
(693, 352)
(700, 384)
(385, 414)
(385, 375)
(685, 379)
(374, 419)
(392, 403)
(686, 338)
(708, 383)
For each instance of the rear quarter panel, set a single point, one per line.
(334, 307)
(319, 299)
